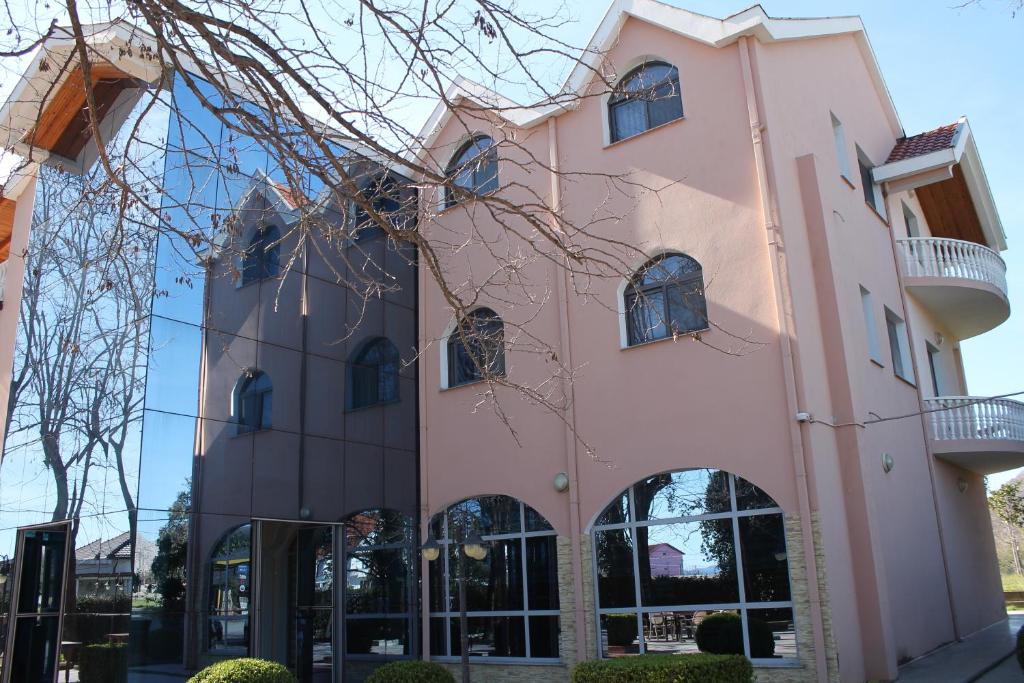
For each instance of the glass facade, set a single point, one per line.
(132, 439)
(694, 561)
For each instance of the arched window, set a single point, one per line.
(511, 595)
(380, 584)
(677, 549)
(665, 298)
(473, 170)
(476, 348)
(648, 96)
(374, 374)
(253, 401)
(262, 258)
(383, 195)
(228, 608)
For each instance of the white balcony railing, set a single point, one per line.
(967, 418)
(3, 281)
(936, 257)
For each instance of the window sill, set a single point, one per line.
(847, 181)
(370, 406)
(692, 335)
(466, 384)
(463, 203)
(498, 661)
(905, 380)
(644, 132)
(261, 430)
(879, 216)
(878, 363)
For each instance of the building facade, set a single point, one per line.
(767, 421)
(774, 386)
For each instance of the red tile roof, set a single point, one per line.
(923, 143)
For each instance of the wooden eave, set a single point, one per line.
(62, 127)
(949, 209)
(7, 207)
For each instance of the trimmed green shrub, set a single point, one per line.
(105, 663)
(722, 634)
(1020, 647)
(695, 668)
(244, 670)
(411, 672)
(621, 628)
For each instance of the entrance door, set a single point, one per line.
(312, 607)
(35, 641)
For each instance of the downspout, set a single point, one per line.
(897, 263)
(784, 308)
(571, 442)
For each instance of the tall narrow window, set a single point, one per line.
(665, 298)
(473, 170)
(647, 97)
(262, 257)
(254, 401)
(913, 228)
(867, 304)
(374, 374)
(842, 155)
(899, 346)
(476, 348)
(935, 366)
(872, 192)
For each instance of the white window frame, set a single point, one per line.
(842, 152)
(741, 606)
(899, 346)
(870, 327)
(878, 203)
(910, 219)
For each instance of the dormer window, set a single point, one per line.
(647, 97)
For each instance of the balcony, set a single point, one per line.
(981, 435)
(962, 284)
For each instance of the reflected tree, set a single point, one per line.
(172, 550)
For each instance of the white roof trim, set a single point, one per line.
(708, 30)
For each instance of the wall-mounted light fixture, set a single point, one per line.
(887, 463)
(961, 484)
(939, 339)
(561, 482)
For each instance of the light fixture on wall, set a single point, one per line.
(561, 482)
(431, 549)
(305, 513)
(961, 484)
(939, 339)
(887, 463)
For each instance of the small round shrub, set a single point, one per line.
(245, 670)
(411, 672)
(722, 634)
(621, 629)
(1020, 647)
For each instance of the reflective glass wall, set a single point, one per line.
(228, 372)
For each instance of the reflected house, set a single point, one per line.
(105, 568)
(666, 560)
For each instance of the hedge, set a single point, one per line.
(722, 634)
(663, 668)
(106, 663)
(244, 670)
(411, 672)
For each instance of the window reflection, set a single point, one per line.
(669, 578)
(511, 594)
(228, 607)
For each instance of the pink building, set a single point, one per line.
(828, 264)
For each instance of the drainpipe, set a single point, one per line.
(571, 442)
(898, 265)
(784, 308)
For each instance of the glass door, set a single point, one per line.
(36, 638)
(313, 604)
